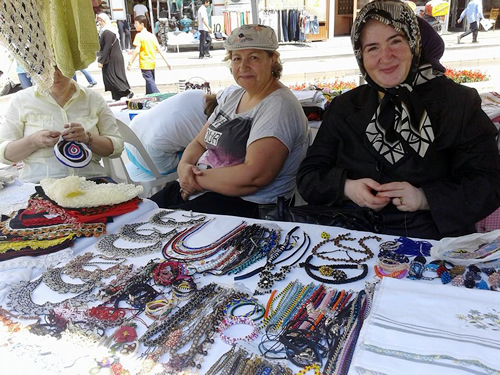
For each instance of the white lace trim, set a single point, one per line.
(15, 196)
(40, 261)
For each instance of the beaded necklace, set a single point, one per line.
(334, 271)
(268, 244)
(267, 278)
(345, 237)
(181, 251)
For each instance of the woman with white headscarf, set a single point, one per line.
(111, 60)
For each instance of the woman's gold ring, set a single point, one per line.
(400, 201)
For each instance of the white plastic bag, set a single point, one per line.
(467, 250)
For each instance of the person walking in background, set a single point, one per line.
(124, 31)
(473, 12)
(92, 82)
(146, 46)
(204, 30)
(141, 10)
(110, 59)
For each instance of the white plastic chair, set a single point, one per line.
(118, 171)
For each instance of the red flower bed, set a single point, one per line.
(466, 76)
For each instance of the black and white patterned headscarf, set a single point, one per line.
(400, 119)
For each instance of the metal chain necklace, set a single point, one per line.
(158, 219)
(20, 299)
(106, 246)
(130, 233)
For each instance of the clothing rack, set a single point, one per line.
(291, 24)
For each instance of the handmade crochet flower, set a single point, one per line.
(125, 334)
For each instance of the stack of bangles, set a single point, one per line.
(184, 289)
(159, 309)
(391, 265)
(255, 314)
(229, 321)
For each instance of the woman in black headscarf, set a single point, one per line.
(411, 144)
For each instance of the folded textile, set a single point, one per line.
(417, 328)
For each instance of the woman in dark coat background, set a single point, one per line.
(111, 60)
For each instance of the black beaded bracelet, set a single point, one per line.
(333, 271)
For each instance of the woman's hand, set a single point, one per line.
(99, 65)
(75, 132)
(187, 179)
(44, 138)
(404, 196)
(360, 192)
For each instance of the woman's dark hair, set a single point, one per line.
(210, 104)
(141, 19)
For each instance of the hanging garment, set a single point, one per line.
(284, 20)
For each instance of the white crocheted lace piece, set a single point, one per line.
(40, 261)
(77, 192)
(15, 197)
(22, 32)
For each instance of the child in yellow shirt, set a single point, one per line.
(146, 46)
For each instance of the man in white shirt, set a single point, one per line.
(204, 30)
(141, 10)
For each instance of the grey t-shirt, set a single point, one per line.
(280, 116)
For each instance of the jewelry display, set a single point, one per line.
(267, 243)
(159, 219)
(267, 278)
(159, 309)
(229, 321)
(130, 233)
(417, 267)
(273, 254)
(168, 272)
(334, 271)
(106, 246)
(123, 281)
(19, 299)
(181, 251)
(255, 314)
(52, 278)
(247, 246)
(75, 267)
(163, 329)
(345, 237)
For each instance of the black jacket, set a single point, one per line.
(460, 173)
